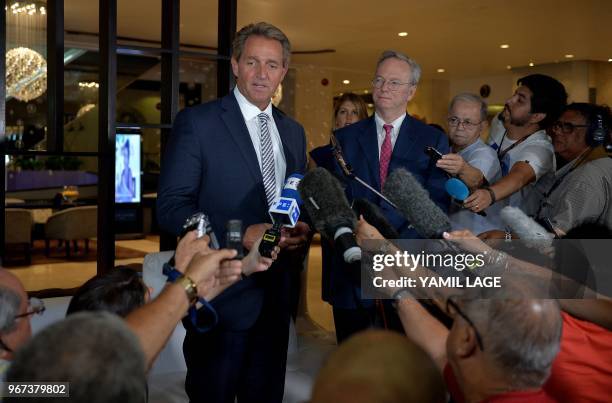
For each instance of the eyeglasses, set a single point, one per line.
(392, 85)
(566, 127)
(453, 310)
(454, 121)
(35, 306)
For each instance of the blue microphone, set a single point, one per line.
(285, 211)
(457, 189)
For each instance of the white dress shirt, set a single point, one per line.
(381, 133)
(249, 113)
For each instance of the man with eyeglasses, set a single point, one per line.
(374, 147)
(471, 160)
(15, 313)
(581, 190)
(525, 151)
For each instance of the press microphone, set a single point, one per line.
(414, 203)
(285, 211)
(233, 237)
(200, 222)
(374, 216)
(326, 204)
(529, 231)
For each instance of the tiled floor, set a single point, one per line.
(73, 274)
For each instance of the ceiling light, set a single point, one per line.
(508, 67)
(402, 34)
(504, 46)
(346, 82)
(441, 70)
(365, 91)
(568, 56)
(531, 64)
(610, 60)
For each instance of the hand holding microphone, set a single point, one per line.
(284, 213)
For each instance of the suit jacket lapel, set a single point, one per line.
(403, 145)
(368, 140)
(234, 121)
(283, 130)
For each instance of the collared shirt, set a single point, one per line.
(380, 131)
(249, 113)
(482, 157)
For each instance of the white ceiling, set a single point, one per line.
(461, 36)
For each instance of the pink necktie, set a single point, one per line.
(385, 154)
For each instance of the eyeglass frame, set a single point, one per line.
(562, 125)
(467, 125)
(33, 309)
(392, 85)
(452, 303)
(36, 306)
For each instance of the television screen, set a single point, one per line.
(127, 168)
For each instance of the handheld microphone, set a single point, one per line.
(201, 223)
(284, 212)
(326, 204)
(233, 237)
(414, 203)
(529, 231)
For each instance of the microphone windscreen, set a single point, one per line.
(457, 189)
(374, 216)
(526, 228)
(414, 203)
(326, 203)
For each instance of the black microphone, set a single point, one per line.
(414, 203)
(233, 237)
(374, 216)
(331, 215)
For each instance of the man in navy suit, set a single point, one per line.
(374, 147)
(229, 159)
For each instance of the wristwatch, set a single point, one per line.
(190, 288)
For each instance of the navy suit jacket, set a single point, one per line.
(360, 148)
(210, 165)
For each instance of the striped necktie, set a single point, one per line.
(267, 158)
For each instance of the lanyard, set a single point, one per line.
(500, 154)
(579, 161)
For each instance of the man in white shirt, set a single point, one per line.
(525, 151)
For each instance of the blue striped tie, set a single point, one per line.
(267, 158)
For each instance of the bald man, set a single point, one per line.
(379, 366)
(498, 349)
(15, 327)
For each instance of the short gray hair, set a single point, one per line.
(261, 29)
(81, 350)
(9, 308)
(473, 99)
(415, 69)
(521, 340)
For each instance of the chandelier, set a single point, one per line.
(26, 67)
(26, 74)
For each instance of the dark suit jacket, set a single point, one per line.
(210, 165)
(360, 148)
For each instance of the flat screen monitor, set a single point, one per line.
(127, 168)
